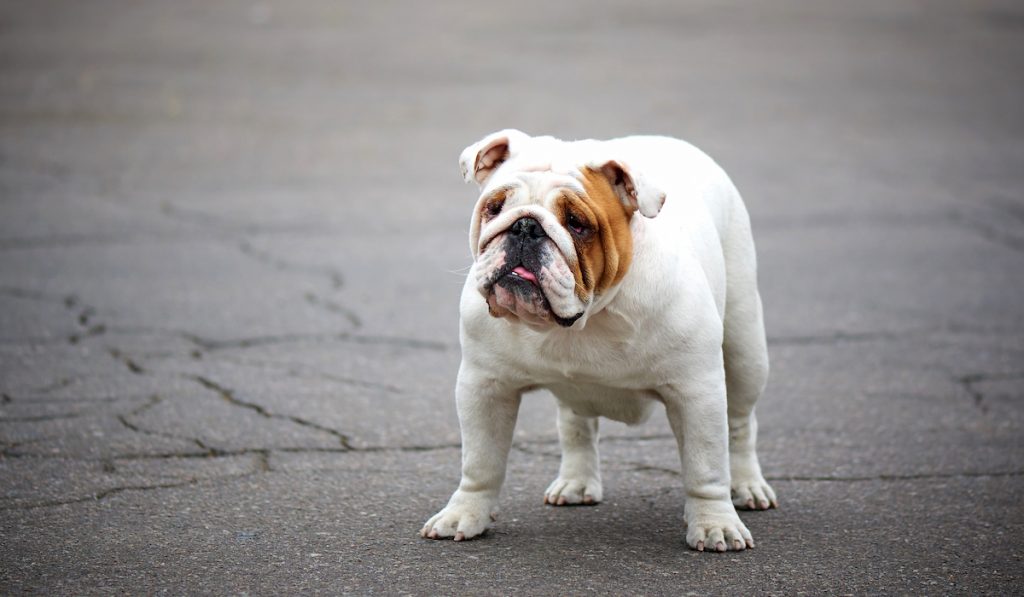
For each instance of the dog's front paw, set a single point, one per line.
(753, 493)
(714, 525)
(466, 516)
(563, 492)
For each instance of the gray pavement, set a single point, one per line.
(233, 234)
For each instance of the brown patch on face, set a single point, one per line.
(606, 250)
(493, 205)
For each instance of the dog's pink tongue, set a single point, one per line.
(524, 273)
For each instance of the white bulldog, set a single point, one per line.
(613, 313)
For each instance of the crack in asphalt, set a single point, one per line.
(89, 332)
(33, 295)
(82, 313)
(989, 232)
(112, 491)
(640, 467)
(968, 383)
(153, 401)
(336, 279)
(91, 411)
(295, 370)
(895, 477)
(213, 345)
(59, 383)
(39, 418)
(229, 396)
(135, 368)
(333, 307)
(362, 339)
(207, 452)
(127, 361)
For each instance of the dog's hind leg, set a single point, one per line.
(579, 476)
(746, 364)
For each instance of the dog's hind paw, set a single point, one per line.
(565, 492)
(753, 493)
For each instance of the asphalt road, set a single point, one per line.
(233, 234)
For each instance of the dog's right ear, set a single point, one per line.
(481, 159)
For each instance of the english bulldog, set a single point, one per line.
(618, 275)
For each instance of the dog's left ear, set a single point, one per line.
(481, 159)
(632, 188)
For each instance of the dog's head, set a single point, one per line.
(551, 230)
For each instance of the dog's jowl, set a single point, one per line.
(616, 274)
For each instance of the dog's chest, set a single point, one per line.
(628, 406)
(616, 361)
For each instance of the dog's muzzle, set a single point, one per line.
(520, 272)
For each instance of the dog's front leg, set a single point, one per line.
(696, 411)
(487, 416)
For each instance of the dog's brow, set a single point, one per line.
(505, 188)
(574, 186)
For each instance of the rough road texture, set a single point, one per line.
(233, 234)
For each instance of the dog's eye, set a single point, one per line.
(493, 207)
(577, 225)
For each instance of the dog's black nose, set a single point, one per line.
(527, 228)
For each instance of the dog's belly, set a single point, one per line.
(628, 406)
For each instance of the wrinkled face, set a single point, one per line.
(546, 244)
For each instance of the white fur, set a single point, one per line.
(683, 328)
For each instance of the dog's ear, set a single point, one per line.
(481, 159)
(632, 188)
